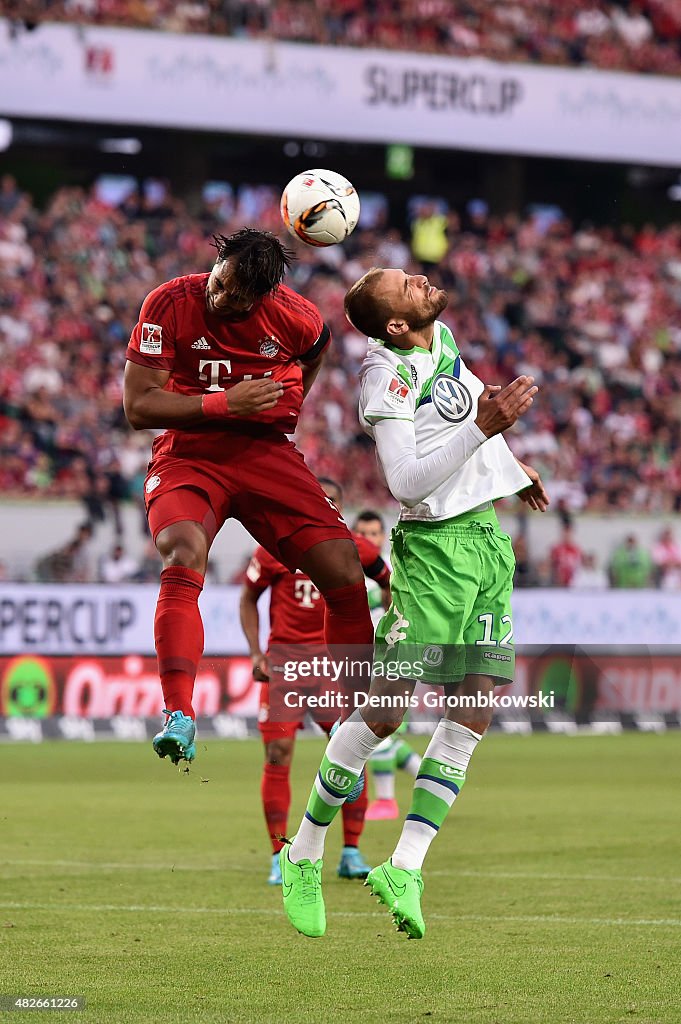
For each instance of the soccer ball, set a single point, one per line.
(320, 207)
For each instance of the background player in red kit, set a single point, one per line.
(297, 618)
(223, 361)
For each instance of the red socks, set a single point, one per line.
(347, 619)
(276, 800)
(178, 634)
(353, 818)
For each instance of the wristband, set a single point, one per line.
(215, 406)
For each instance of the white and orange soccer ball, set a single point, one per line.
(320, 207)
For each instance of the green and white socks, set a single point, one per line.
(348, 751)
(438, 783)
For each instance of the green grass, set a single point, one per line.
(552, 893)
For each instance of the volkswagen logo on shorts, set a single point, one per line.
(451, 398)
(432, 655)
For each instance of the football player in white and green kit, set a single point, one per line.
(438, 434)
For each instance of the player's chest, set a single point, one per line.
(215, 356)
(445, 399)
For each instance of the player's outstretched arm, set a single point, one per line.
(149, 406)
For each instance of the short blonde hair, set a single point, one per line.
(367, 311)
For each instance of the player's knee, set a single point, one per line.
(349, 566)
(332, 565)
(182, 548)
(279, 752)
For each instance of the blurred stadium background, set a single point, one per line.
(527, 155)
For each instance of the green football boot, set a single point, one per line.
(301, 887)
(176, 738)
(400, 890)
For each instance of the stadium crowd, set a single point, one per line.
(593, 313)
(626, 35)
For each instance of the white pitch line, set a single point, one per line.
(455, 873)
(557, 919)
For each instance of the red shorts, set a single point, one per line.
(251, 473)
(278, 730)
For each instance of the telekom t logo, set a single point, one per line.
(218, 372)
(212, 377)
(306, 593)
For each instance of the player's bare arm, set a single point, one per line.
(535, 495)
(310, 369)
(149, 406)
(250, 623)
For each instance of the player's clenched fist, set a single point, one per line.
(244, 399)
(499, 408)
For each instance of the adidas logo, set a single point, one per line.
(201, 343)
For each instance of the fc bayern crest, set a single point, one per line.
(451, 398)
(269, 347)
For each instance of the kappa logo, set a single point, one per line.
(269, 346)
(151, 339)
(201, 343)
(152, 483)
(451, 398)
(398, 630)
(338, 779)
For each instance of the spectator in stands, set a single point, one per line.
(667, 560)
(588, 575)
(118, 567)
(84, 559)
(566, 557)
(593, 313)
(631, 566)
(429, 236)
(65, 565)
(620, 34)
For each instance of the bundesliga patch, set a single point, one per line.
(151, 341)
(396, 392)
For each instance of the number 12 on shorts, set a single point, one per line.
(487, 620)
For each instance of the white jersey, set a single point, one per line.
(435, 390)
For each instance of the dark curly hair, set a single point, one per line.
(260, 259)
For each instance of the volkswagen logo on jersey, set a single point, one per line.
(451, 398)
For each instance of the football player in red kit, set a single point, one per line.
(297, 618)
(223, 360)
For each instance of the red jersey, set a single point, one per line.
(206, 353)
(296, 606)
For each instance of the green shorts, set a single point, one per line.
(451, 589)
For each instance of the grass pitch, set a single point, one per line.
(552, 892)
